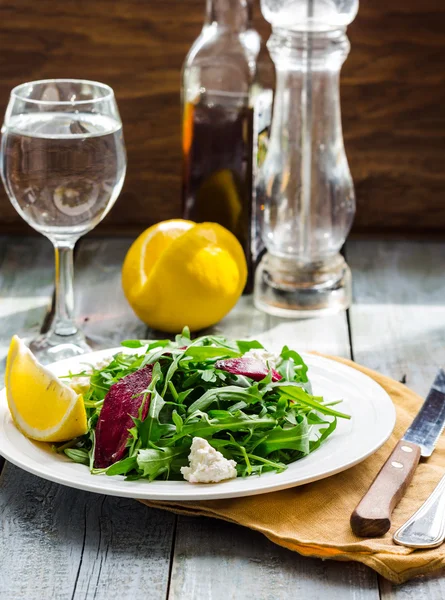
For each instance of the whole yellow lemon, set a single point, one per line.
(181, 273)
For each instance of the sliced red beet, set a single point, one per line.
(122, 402)
(250, 367)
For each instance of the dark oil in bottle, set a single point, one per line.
(217, 178)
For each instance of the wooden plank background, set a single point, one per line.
(393, 97)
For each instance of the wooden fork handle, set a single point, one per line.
(372, 517)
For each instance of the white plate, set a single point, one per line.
(373, 419)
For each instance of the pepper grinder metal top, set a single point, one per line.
(305, 189)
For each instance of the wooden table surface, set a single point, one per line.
(60, 543)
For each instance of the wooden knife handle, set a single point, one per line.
(372, 517)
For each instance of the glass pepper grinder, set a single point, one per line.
(305, 190)
(218, 99)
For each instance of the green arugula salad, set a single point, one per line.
(205, 410)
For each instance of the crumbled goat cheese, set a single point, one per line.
(104, 362)
(266, 357)
(81, 384)
(207, 465)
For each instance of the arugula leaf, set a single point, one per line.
(314, 444)
(226, 393)
(78, 455)
(122, 467)
(208, 428)
(245, 346)
(182, 396)
(299, 367)
(155, 462)
(150, 429)
(209, 376)
(314, 419)
(183, 339)
(143, 343)
(177, 420)
(202, 353)
(303, 397)
(171, 371)
(155, 354)
(132, 344)
(292, 438)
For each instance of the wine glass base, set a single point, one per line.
(51, 347)
(286, 288)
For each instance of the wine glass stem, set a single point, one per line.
(63, 320)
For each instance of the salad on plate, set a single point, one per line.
(205, 410)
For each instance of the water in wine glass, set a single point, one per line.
(63, 171)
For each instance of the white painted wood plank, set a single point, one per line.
(66, 544)
(398, 315)
(127, 551)
(398, 328)
(219, 561)
(101, 308)
(328, 334)
(26, 287)
(430, 587)
(41, 539)
(242, 320)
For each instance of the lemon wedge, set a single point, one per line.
(42, 407)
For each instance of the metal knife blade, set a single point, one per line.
(429, 422)
(372, 516)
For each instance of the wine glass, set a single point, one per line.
(63, 165)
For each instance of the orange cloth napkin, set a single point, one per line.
(313, 519)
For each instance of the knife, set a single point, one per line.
(372, 516)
